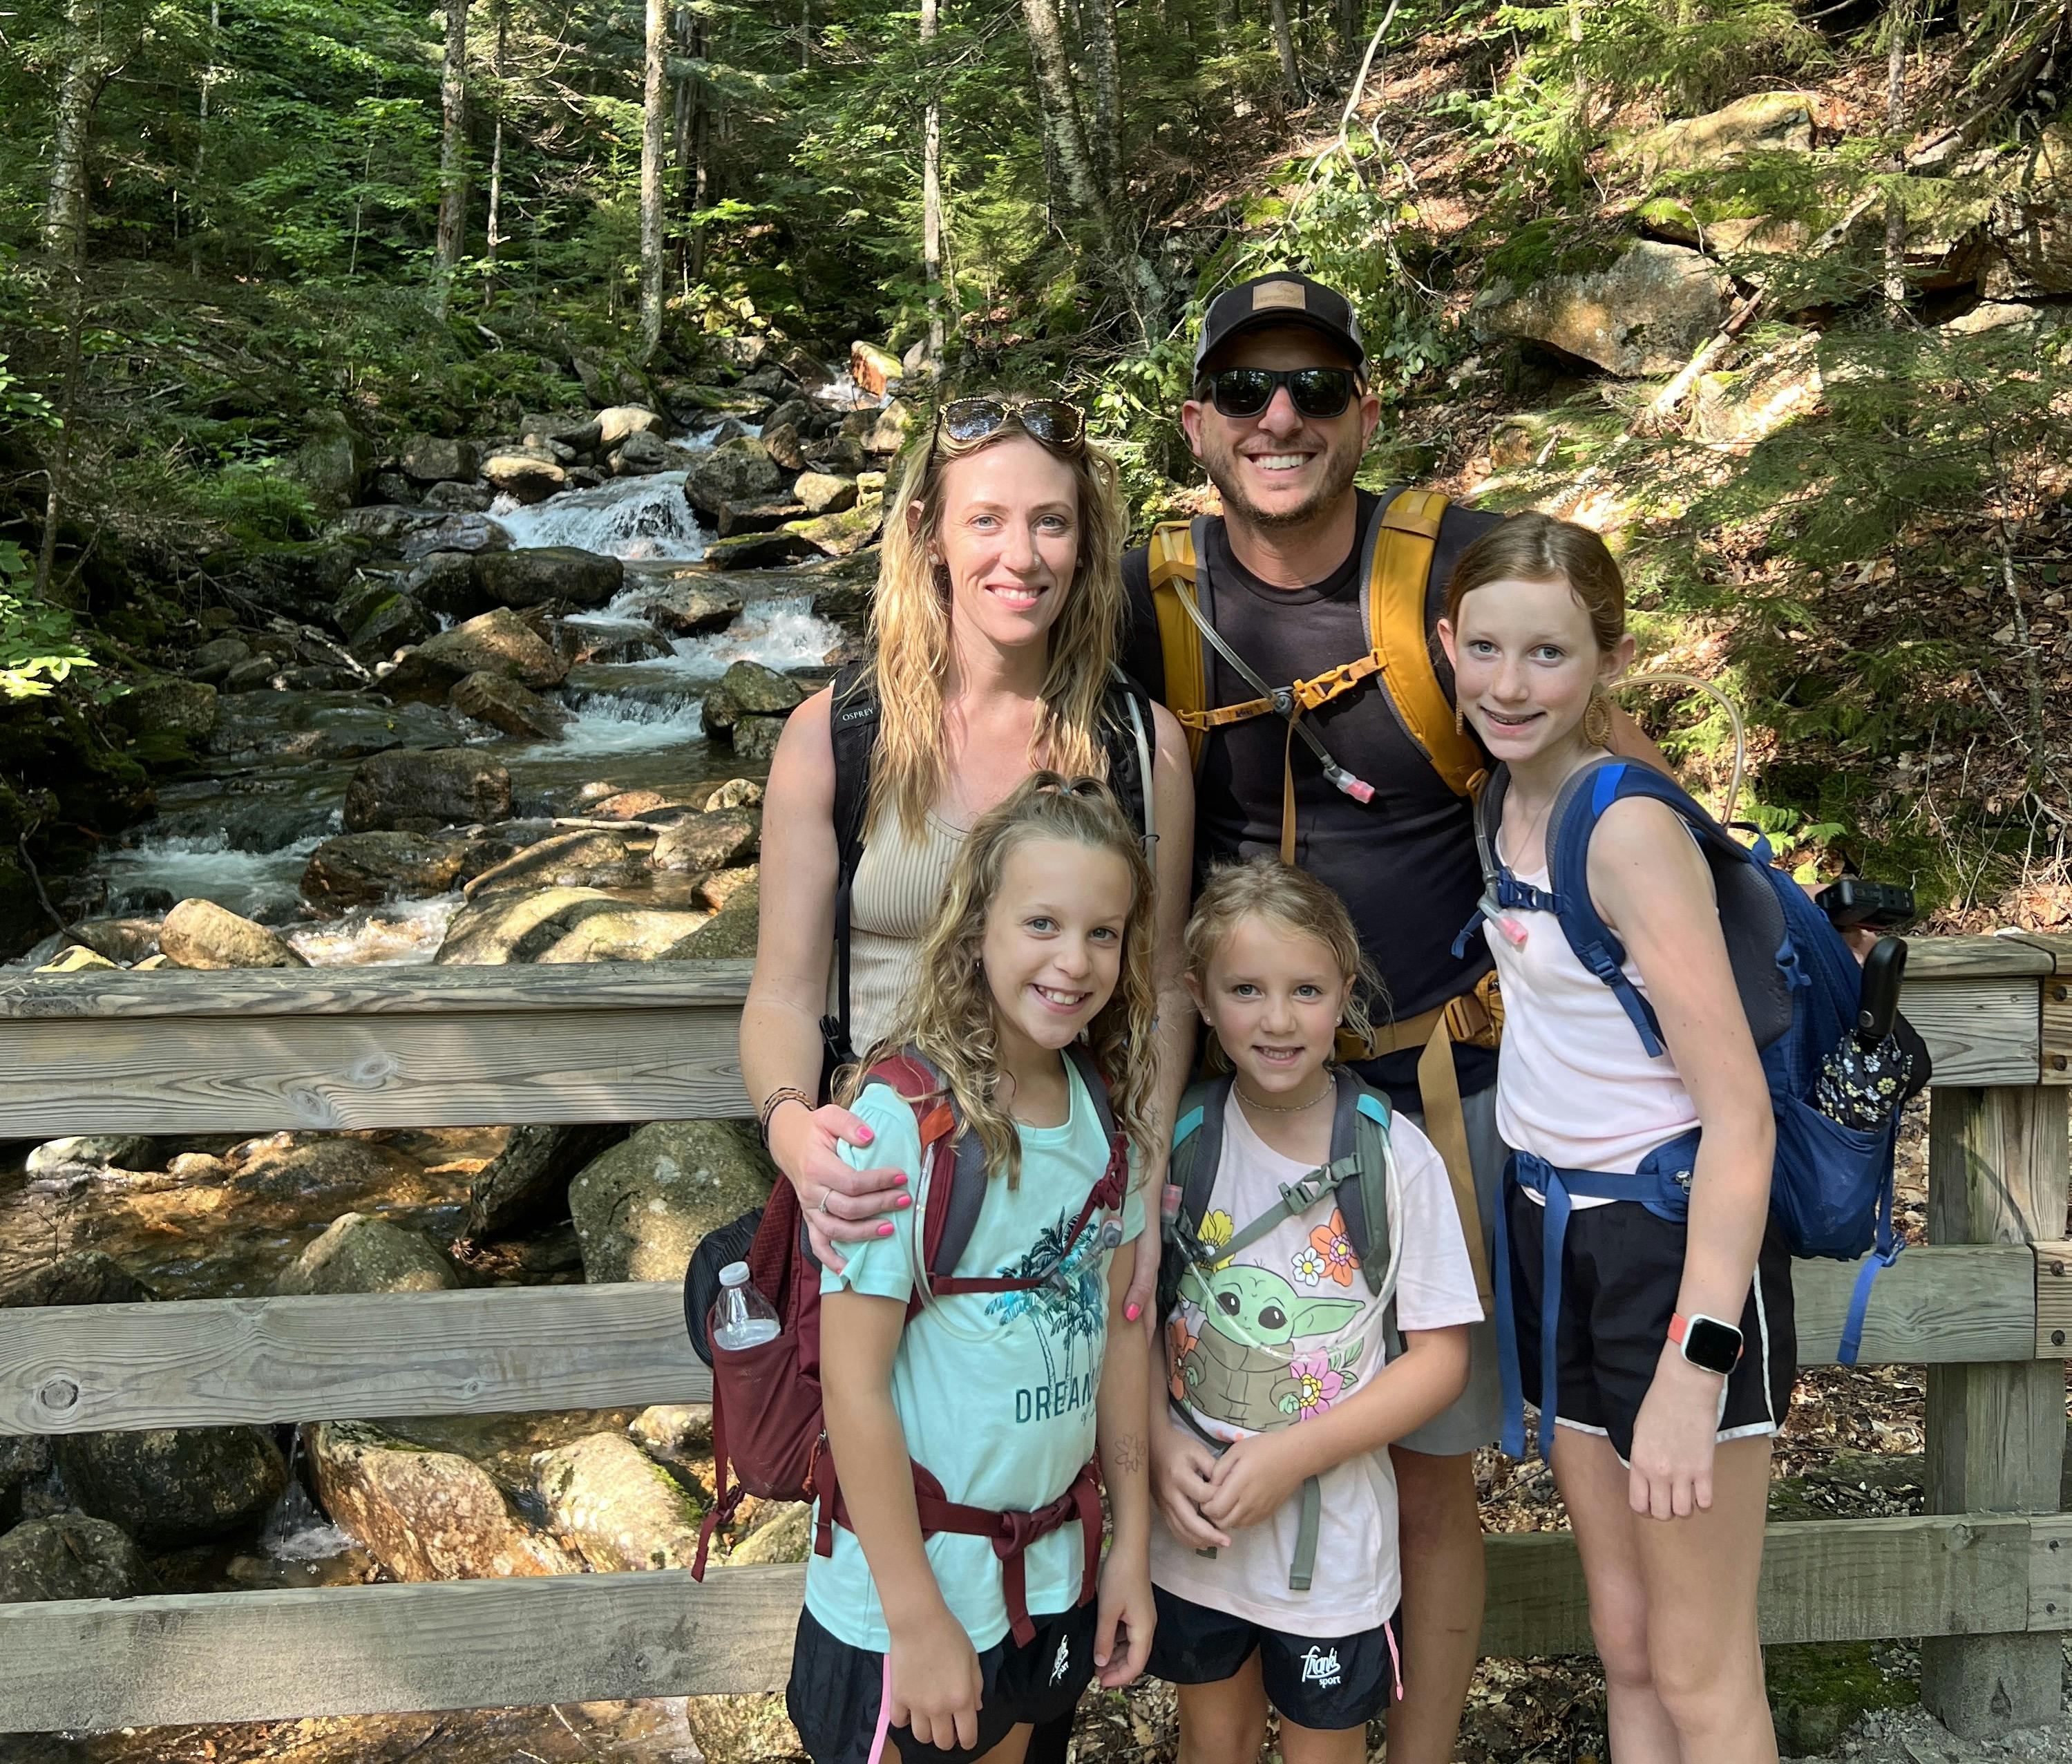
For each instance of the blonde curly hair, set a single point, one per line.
(910, 630)
(948, 1015)
(1263, 887)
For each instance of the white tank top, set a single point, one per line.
(1574, 1085)
(893, 901)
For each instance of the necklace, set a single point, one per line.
(1330, 1088)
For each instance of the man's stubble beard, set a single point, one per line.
(1341, 466)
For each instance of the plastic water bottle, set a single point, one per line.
(740, 1316)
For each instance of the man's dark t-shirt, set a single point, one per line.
(1404, 863)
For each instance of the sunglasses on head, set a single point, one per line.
(1051, 420)
(1315, 392)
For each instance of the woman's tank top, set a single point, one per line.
(893, 901)
(1574, 1085)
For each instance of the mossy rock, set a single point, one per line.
(1818, 1692)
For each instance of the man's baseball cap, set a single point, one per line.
(1280, 298)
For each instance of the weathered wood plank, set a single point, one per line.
(1823, 1580)
(1971, 957)
(213, 1362)
(256, 1075)
(1981, 1030)
(1933, 1304)
(1997, 1173)
(370, 1650)
(301, 992)
(2053, 1299)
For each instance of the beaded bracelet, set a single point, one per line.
(784, 1093)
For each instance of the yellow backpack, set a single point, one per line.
(1397, 554)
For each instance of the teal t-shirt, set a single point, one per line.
(995, 1392)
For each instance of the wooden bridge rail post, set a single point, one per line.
(1999, 1173)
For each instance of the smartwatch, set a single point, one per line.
(1706, 1341)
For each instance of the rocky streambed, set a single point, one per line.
(532, 725)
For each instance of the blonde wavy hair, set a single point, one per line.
(910, 630)
(1263, 887)
(948, 1015)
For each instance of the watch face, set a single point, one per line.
(1711, 1345)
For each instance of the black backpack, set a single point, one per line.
(1126, 741)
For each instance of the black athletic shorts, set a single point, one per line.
(833, 1695)
(1621, 1268)
(1326, 1684)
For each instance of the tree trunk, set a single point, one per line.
(1104, 80)
(501, 10)
(654, 115)
(931, 189)
(1349, 28)
(805, 33)
(89, 65)
(453, 157)
(208, 79)
(1898, 21)
(694, 146)
(1283, 42)
(1064, 126)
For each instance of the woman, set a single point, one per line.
(995, 627)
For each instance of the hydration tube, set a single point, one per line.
(1734, 718)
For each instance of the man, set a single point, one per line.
(1366, 791)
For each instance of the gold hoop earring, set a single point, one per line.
(1597, 720)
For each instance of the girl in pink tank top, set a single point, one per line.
(1673, 1349)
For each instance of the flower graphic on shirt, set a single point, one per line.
(1318, 1384)
(1215, 1231)
(1310, 1266)
(1182, 1340)
(1334, 1245)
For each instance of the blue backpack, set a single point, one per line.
(1831, 1191)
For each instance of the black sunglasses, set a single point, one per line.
(1316, 392)
(1051, 420)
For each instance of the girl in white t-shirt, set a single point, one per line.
(1671, 1342)
(1274, 1563)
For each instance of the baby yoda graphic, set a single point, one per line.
(1237, 1369)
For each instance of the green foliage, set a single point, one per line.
(38, 649)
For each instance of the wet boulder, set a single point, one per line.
(749, 689)
(734, 472)
(526, 475)
(446, 584)
(674, 1434)
(424, 1516)
(756, 737)
(713, 840)
(166, 705)
(387, 623)
(874, 367)
(784, 447)
(357, 1253)
(889, 430)
(685, 609)
(438, 459)
(824, 493)
(505, 704)
(259, 674)
(76, 958)
(730, 934)
(642, 1207)
(564, 925)
(478, 533)
(91, 1151)
(356, 870)
(618, 1506)
(23, 1459)
(783, 1533)
(617, 423)
(71, 1555)
(211, 660)
(419, 791)
(844, 533)
(86, 1276)
(735, 793)
(537, 574)
(174, 1486)
(840, 454)
(527, 1183)
(581, 857)
(757, 550)
(497, 642)
(639, 454)
(199, 934)
(765, 514)
(460, 499)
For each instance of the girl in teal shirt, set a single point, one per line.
(951, 1645)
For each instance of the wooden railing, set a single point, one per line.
(1986, 1576)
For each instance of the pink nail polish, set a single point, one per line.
(866, 1135)
(900, 1180)
(1132, 1311)
(904, 1200)
(885, 1231)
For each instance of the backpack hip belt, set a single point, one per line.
(1011, 1533)
(1474, 1017)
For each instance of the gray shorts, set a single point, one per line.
(1477, 1418)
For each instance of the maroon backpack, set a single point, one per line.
(768, 1436)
